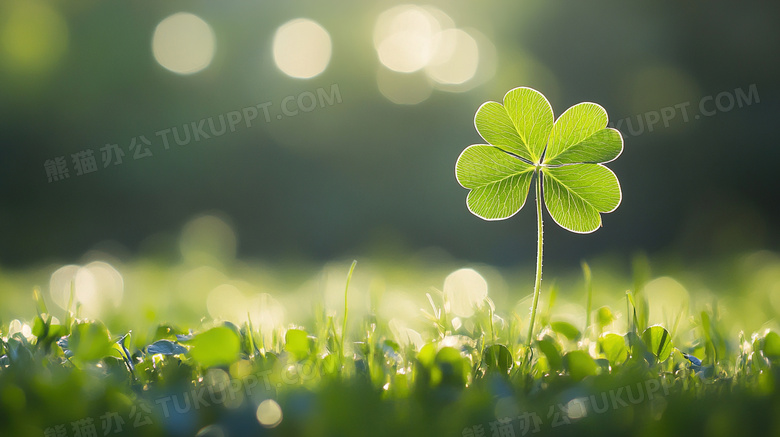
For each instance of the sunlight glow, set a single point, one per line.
(198, 282)
(667, 299)
(226, 302)
(207, 238)
(302, 48)
(266, 314)
(183, 43)
(396, 303)
(404, 335)
(33, 36)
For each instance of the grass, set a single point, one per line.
(655, 368)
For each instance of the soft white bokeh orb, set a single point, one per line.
(183, 43)
(18, 327)
(410, 38)
(667, 301)
(403, 37)
(465, 289)
(455, 59)
(226, 302)
(302, 48)
(269, 413)
(97, 287)
(60, 285)
(207, 238)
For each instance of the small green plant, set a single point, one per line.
(213, 375)
(563, 158)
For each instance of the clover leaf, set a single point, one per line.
(563, 158)
(566, 154)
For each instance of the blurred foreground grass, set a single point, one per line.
(210, 345)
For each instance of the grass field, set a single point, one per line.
(209, 346)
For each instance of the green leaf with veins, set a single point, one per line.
(521, 126)
(499, 182)
(576, 194)
(524, 142)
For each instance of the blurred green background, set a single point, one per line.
(257, 148)
(371, 173)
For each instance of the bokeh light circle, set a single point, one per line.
(269, 413)
(207, 238)
(302, 48)
(33, 36)
(226, 302)
(183, 43)
(97, 287)
(403, 37)
(410, 38)
(455, 59)
(465, 289)
(60, 285)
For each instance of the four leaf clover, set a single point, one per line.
(524, 141)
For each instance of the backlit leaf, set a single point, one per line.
(579, 364)
(658, 342)
(216, 347)
(497, 358)
(520, 126)
(499, 182)
(576, 194)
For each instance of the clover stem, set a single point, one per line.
(346, 308)
(538, 283)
